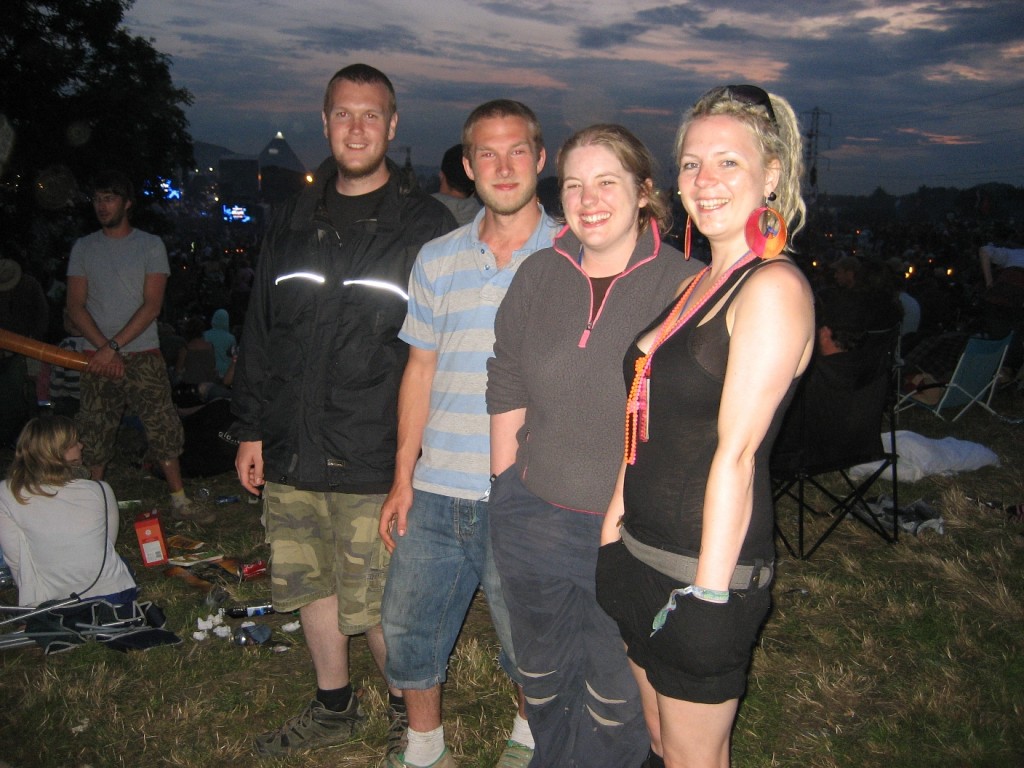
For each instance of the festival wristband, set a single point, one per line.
(710, 595)
(718, 596)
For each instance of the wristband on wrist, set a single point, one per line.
(718, 596)
(710, 595)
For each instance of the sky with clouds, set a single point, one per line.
(905, 93)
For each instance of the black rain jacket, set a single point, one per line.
(320, 361)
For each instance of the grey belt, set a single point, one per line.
(683, 568)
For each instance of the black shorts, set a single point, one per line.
(703, 652)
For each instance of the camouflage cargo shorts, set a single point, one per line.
(144, 391)
(324, 544)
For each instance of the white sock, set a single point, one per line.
(521, 733)
(424, 748)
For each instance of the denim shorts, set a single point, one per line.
(324, 544)
(435, 570)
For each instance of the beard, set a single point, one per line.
(114, 221)
(362, 170)
(506, 206)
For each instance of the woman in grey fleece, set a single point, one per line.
(556, 397)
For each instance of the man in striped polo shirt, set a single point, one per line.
(434, 521)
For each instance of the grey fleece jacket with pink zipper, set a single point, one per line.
(566, 371)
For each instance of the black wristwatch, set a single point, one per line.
(114, 345)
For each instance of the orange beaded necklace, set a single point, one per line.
(638, 402)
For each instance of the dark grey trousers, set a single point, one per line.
(582, 701)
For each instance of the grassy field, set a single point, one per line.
(904, 655)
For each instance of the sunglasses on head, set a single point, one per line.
(752, 96)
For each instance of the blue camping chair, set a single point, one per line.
(973, 380)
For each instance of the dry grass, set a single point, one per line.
(875, 655)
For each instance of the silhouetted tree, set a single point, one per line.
(77, 93)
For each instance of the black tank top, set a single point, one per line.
(664, 489)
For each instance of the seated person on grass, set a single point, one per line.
(57, 527)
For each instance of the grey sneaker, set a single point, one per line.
(398, 729)
(193, 512)
(315, 726)
(515, 755)
(397, 760)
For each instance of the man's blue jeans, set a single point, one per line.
(435, 571)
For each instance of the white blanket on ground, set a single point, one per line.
(921, 456)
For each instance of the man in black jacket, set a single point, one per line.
(316, 392)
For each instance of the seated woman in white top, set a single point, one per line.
(57, 530)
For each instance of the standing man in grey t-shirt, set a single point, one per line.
(116, 282)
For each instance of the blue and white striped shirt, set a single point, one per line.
(454, 292)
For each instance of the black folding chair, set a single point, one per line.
(834, 423)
